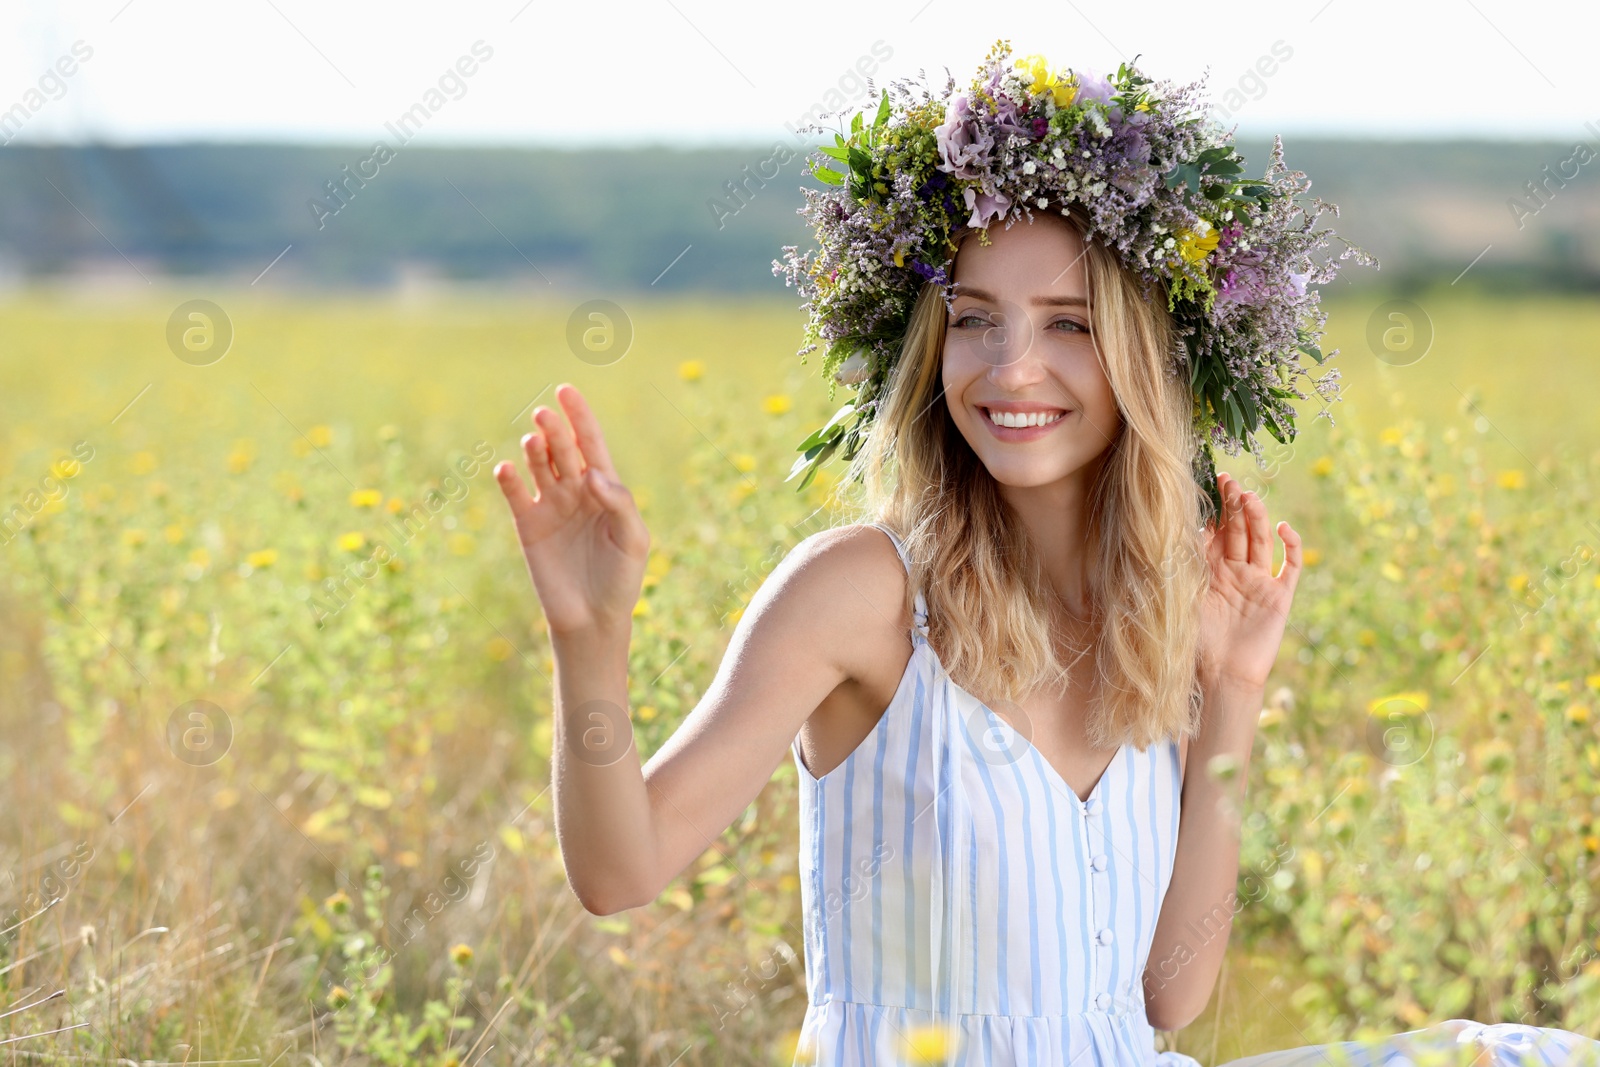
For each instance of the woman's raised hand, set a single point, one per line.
(585, 541)
(1247, 607)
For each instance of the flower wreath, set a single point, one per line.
(1149, 173)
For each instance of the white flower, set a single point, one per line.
(1042, 202)
(853, 371)
(1029, 167)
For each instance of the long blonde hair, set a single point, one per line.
(989, 608)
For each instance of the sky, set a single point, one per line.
(698, 72)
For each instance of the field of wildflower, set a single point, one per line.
(274, 689)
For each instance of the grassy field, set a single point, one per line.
(274, 689)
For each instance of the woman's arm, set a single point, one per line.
(826, 615)
(1242, 622)
(1197, 913)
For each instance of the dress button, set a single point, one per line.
(1105, 936)
(1103, 1001)
(1100, 862)
(1092, 806)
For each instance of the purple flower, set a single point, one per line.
(1092, 86)
(1297, 282)
(984, 207)
(963, 142)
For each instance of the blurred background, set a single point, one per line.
(280, 283)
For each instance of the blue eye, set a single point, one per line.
(961, 320)
(1072, 322)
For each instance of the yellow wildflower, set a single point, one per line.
(926, 1044)
(641, 608)
(645, 713)
(133, 538)
(1195, 245)
(173, 533)
(1323, 466)
(1311, 556)
(1391, 435)
(776, 404)
(1410, 702)
(1577, 714)
(394, 506)
(461, 955)
(1511, 479)
(265, 557)
(352, 541)
(499, 649)
(142, 462)
(320, 436)
(691, 370)
(366, 498)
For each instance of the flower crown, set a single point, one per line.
(1146, 171)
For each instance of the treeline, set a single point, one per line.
(1520, 214)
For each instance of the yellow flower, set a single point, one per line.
(320, 436)
(142, 462)
(776, 404)
(1311, 556)
(133, 537)
(352, 541)
(173, 533)
(338, 997)
(200, 557)
(690, 370)
(338, 902)
(1591, 843)
(265, 557)
(1511, 479)
(366, 498)
(462, 544)
(1577, 714)
(1592, 681)
(1194, 245)
(1038, 69)
(394, 506)
(499, 649)
(926, 1044)
(1410, 702)
(1323, 466)
(461, 955)
(641, 608)
(1390, 436)
(645, 713)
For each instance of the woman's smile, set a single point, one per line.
(1020, 422)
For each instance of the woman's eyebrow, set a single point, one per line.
(1046, 300)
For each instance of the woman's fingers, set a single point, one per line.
(515, 492)
(1236, 543)
(565, 458)
(1259, 532)
(535, 449)
(587, 428)
(1289, 573)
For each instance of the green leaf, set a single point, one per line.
(840, 154)
(1311, 350)
(883, 110)
(855, 123)
(820, 435)
(827, 177)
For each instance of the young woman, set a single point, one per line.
(1021, 700)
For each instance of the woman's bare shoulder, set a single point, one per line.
(849, 580)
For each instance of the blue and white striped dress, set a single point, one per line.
(963, 905)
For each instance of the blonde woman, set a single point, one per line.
(1001, 694)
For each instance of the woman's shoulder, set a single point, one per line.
(851, 577)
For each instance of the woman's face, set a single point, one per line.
(1018, 348)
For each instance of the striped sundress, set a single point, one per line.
(964, 906)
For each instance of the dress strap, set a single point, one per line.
(920, 606)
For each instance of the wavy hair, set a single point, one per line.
(989, 606)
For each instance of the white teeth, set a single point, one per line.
(1033, 418)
